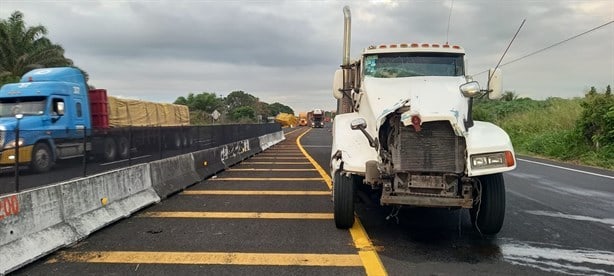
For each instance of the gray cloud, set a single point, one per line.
(286, 51)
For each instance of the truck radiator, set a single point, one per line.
(433, 149)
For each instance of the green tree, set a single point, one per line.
(238, 99)
(608, 91)
(597, 120)
(205, 101)
(243, 113)
(509, 96)
(23, 48)
(277, 108)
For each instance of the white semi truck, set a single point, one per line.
(404, 129)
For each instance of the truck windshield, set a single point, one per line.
(9, 107)
(401, 65)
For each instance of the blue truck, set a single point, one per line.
(59, 117)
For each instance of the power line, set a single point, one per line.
(551, 46)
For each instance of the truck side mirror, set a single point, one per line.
(494, 85)
(338, 84)
(470, 89)
(358, 123)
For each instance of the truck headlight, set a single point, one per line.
(492, 160)
(11, 144)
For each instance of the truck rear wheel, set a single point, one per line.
(123, 147)
(488, 216)
(110, 149)
(343, 197)
(42, 159)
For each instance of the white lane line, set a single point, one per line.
(564, 168)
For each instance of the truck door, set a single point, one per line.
(60, 118)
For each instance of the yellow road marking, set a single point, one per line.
(266, 179)
(238, 192)
(237, 215)
(313, 161)
(277, 157)
(276, 163)
(368, 255)
(208, 258)
(270, 170)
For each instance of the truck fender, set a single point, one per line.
(350, 148)
(485, 137)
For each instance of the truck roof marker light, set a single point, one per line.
(456, 47)
(425, 45)
(382, 46)
(404, 45)
(413, 45)
(393, 46)
(435, 45)
(416, 121)
(509, 159)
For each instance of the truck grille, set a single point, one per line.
(1, 139)
(434, 149)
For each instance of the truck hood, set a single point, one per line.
(430, 98)
(27, 123)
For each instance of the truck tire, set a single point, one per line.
(123, 147)
(488, 216)
(42, 159)
(109, 152)
(343, 199)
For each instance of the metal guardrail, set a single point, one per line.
(133, 145)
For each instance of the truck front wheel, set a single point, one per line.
(487, 216)
(343, 197)
(42, 159)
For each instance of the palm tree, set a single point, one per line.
(25, 48)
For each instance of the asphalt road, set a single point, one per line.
(558, 221)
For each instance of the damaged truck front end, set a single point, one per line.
(404, 127)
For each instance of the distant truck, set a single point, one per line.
(404, 132)
(303, 119)
(59, 118)
(317, 118)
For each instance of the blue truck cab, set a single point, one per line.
(51, 109)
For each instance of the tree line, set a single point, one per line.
(238, 106)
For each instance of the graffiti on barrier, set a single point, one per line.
(9, 206)
(231, 151)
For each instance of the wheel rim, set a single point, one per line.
(41, 158)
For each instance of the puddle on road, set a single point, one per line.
(559, 260)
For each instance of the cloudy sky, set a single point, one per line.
(287, 51)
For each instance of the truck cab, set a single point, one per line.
(49, 106)
(404, 129)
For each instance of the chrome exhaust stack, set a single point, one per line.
(347, 29)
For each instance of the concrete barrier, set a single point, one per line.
(36, 222)
(173, 174)
(31, 226)
(207, 162)
(94, 202)
(269, 140)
